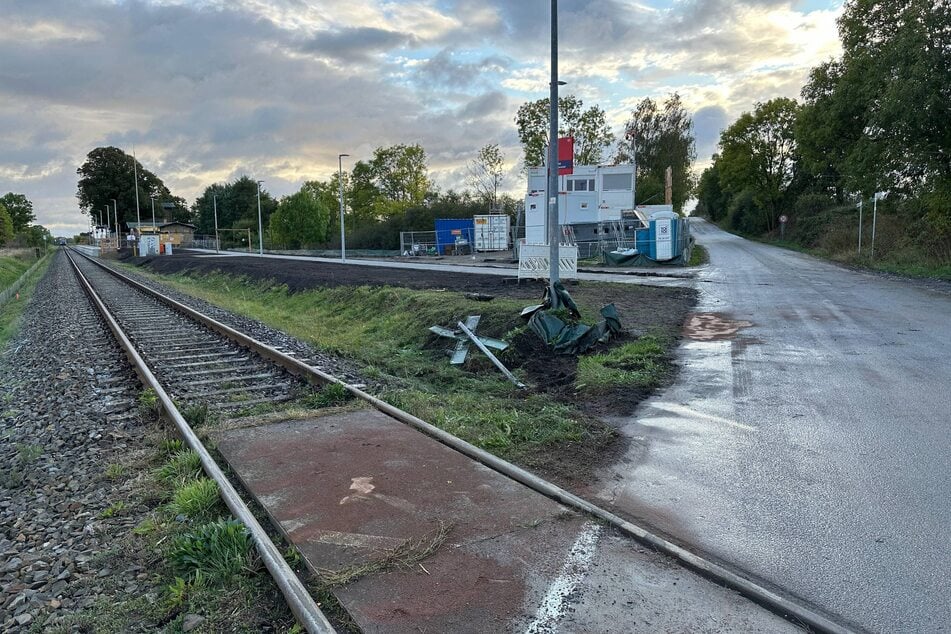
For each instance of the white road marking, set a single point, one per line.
(576, 565)
(688, 412)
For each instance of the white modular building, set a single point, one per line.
(594, 195)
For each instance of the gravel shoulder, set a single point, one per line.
(77, 487)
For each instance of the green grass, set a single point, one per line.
(698, 255)
(12, 268)
(636, 364)
(215, 551)
(386, 330)
(197, 499)
(12, 312)
(183, 466)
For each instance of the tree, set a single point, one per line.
(588, 127)
(486, 173)
(301, 219)
(395, 179)
(20, 210)
(108, 174)
(6, 225)
(237, 206)
(35, 236)
(654, 140)
(712, 201)
(757, 154)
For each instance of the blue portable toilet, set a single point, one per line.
(665, 228)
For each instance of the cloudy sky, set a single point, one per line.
(208, 90)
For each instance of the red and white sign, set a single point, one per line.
(566, 155)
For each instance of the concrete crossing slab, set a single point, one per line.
(436, 542)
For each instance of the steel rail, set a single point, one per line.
(298, 598)
(779, 604)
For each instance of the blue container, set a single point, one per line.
(451, 230)
(642, 240)
(664, 229)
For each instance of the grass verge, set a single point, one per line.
(12, 311)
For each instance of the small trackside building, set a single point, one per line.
(590, 199)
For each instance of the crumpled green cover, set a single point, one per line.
(574, 339)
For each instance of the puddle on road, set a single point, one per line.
(712, 327)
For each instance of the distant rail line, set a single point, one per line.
(191, 359)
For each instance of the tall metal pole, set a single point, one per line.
(135, 173)
(260, 227)
(874, 215)
(860, 227)
(553, 237)
(343, 239)
(215, 201)
(116, 206)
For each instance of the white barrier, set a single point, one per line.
(534, 261)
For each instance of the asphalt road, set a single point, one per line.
(811, 448)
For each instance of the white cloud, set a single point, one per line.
(210, 89)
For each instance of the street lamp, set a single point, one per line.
(135, 176)
(553, 162)
(152, 196)
(260, 227)
(343, 244)
(215, 202)
(116, 206)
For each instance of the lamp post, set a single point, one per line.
(553, 237)
(215, 204)
(260, 226)
(135, 176)
(152, 196)
(343, 244)
(874, 216)
(115, 206)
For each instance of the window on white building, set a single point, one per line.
(581, 185)
(616, 182)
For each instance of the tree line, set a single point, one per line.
(17, 227)
(877, 120)
(391, 191)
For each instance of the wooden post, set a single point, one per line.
(668, 186)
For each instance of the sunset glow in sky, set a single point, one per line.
(208, 90)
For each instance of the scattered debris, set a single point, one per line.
(478, 342)
(479, 297)
(462, 340)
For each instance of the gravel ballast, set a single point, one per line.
(69, 411)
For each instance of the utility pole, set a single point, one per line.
(215, 202)
(135, 175)
(553, 237)
(260, 227)
(874, 216)
(116, 206)
(860, 227)
(343, 243)
(668, 186)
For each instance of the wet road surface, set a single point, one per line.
(806, 440)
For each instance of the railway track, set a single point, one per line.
(196, 365)
(190, 359)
